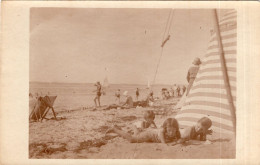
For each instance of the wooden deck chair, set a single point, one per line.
(42, 107)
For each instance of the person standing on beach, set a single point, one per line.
(175, 89)
(137, 93)
(184, 89)
(117, 94)
(150, 99)
(192, 73)
(171, 92)
(98, 94)
(178, 91)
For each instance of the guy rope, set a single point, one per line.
(164, 40)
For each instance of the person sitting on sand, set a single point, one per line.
(117, 94)
(98, 94)
(165, 94)
(167, 133)
(201, 128)
(148, 121)
(129, 101)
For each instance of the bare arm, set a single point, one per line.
(162, 136)
(186, 135)
(188, 76)
(143, 125)
(154, 124)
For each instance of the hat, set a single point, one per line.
(125, 93)
(196, 61)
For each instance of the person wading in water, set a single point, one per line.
(137, 94)
(98, 94)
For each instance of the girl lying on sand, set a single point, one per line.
(167, 133)
(201, 129)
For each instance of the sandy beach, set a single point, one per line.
(126, 50)
(80, 134)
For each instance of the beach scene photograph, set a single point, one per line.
(132, 83)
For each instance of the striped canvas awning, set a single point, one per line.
(208, 95)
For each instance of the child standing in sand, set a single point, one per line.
(167, 133)
(201, 129)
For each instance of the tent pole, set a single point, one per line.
(45, 113)
(53, 113)
(224, 70)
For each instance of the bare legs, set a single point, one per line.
(138, 137)
(97, 98)
(121, 133)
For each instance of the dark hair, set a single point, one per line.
(205, 122)
(149, 115)
(172, 122)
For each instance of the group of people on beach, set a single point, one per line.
(129, 103)
(176, 91)
(147, 131)
(179, 90)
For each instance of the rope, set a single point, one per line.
(171, 22)
(170, 16)
(157, 66)
(166, 25)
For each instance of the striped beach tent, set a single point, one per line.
(213, 93)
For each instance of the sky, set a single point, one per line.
(81, 45)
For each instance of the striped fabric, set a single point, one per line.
(208, 96)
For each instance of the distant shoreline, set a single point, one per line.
(38, 82)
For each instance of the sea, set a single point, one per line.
(71, 96)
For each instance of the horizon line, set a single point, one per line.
(94, 82)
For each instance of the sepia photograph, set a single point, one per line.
(132, 83)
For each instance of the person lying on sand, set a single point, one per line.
(201, 129)
(167, 133)
(148, 121)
